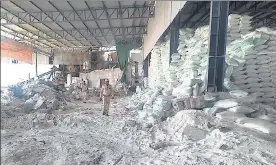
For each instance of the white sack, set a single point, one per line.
(227, 103)
(241, 109)
(238, 93)
(259, 124)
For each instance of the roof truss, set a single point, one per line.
(78, 34)
(91, 14)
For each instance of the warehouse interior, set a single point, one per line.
(138, 82)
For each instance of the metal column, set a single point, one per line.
(217, 44)
(36, 73)
(146, 67)
(174, 35)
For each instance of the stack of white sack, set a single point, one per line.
(159, 74)
(155, 64)
(177, 60)
(242, 109)
(195, 57)
(245, 24)
(165, 61)
(234, 21)
(252, 66)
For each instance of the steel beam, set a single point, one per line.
(18, 36)
(199, 7)
(78, 15)
(27, 30)
(137, 40)
(128, 41)
(265, 7)
(67, 20)
(256, 21)
(174, 35)
(36, 72)
(47, 25)
(78, 34)
(94, 17)
(217, 44)
(134, 4)
(99, 44)
(121, 22)
(108, 19)
(146, 66)
(94, 49)
(13, 3)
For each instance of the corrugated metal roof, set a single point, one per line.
(76, 23)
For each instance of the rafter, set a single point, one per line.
(32, 16)
(46, 14)
(108, 20)
(122, 25)
(27, 30)
(94, 17)
(17, 37)
(98, 43)
(137, 40)
(66, 19)
(78, 34)
(77, 15)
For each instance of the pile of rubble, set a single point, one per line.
(37, 96)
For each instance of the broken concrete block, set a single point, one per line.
(130, 123)
(194, 133)
(178, 105)
(53, 104)
(39, 89)
(140, 106)
(39, 103)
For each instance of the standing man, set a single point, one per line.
(106, 94)
(84, 90)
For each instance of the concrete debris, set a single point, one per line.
(37, 96)
(173, 121)
(6, 97)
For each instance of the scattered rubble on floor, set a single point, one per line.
(172, 122)
(38, 96)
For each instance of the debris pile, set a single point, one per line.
(38, 96)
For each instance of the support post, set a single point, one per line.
(146, 66)
(217, 44)
(36, 73)
(174, 35)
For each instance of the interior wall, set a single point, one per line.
(41, 59)
(165, 12)
(71, 58)
(94, 77)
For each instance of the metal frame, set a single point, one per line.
(174, 36)
(45, 13)
(78, 34)
(217, 44)
(47, 37)
(77, 15)
(108, 18)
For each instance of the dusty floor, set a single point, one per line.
(83, 136)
